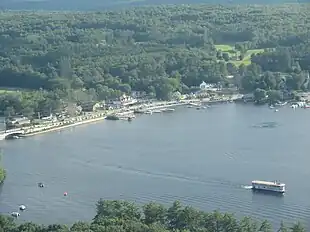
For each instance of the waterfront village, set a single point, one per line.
(123, 108)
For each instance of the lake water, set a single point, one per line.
(200, 157)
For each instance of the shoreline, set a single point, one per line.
(58, 128)
(88, 121)
(158, 105)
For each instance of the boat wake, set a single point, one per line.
(247, 186)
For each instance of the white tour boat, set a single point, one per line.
(272, 186)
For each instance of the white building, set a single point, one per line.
(125, 101)
(138, 94)
(205, 86)
(229, 76)
(50, 118)
(177, 95)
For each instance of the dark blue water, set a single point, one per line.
(201, 157)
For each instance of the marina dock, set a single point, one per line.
(127, 113)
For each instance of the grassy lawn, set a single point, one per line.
(224, 47)
(232, 52)
(247, 57)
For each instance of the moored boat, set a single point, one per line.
(15, 214)
(168, 110)
(157, 111)
(280, 103)
(306, 106)
(271, 186)
(148, 112)
(112, 117)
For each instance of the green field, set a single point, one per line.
(234, 53)
(247, 57)
(225, 48)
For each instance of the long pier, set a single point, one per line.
(5, 133)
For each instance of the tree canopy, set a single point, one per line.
(78, 56)
(2, 175)
(97, 4)
(124, 216)
(2, 171)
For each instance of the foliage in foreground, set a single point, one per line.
(2, 172)
(2, 175)
(123, 216)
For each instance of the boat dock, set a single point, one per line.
(127, 113)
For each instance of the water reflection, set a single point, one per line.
(266, 125)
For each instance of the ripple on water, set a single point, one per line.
(153, 159)
(223, 193)
(266, 125)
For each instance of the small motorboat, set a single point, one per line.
(41, 185)
(157, 111)
(22, 207)
(148, 112)
(15, 214)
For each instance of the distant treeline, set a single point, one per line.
(92, 56)
(114, 4)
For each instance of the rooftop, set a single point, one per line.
(271, 183)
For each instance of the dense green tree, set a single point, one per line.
(247, 225)
(282, 228)
(274, 96)
(80, 227)
(118, 209)
(173, 215)
(101, 55)
(226, 56)
(29, 227)
(122, 216)
(2, 172)
(153, 213)
(298, 228)
(260, 95)
(265, 227)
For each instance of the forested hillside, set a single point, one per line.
(122, 216)
(78, 56)
(100, 5)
